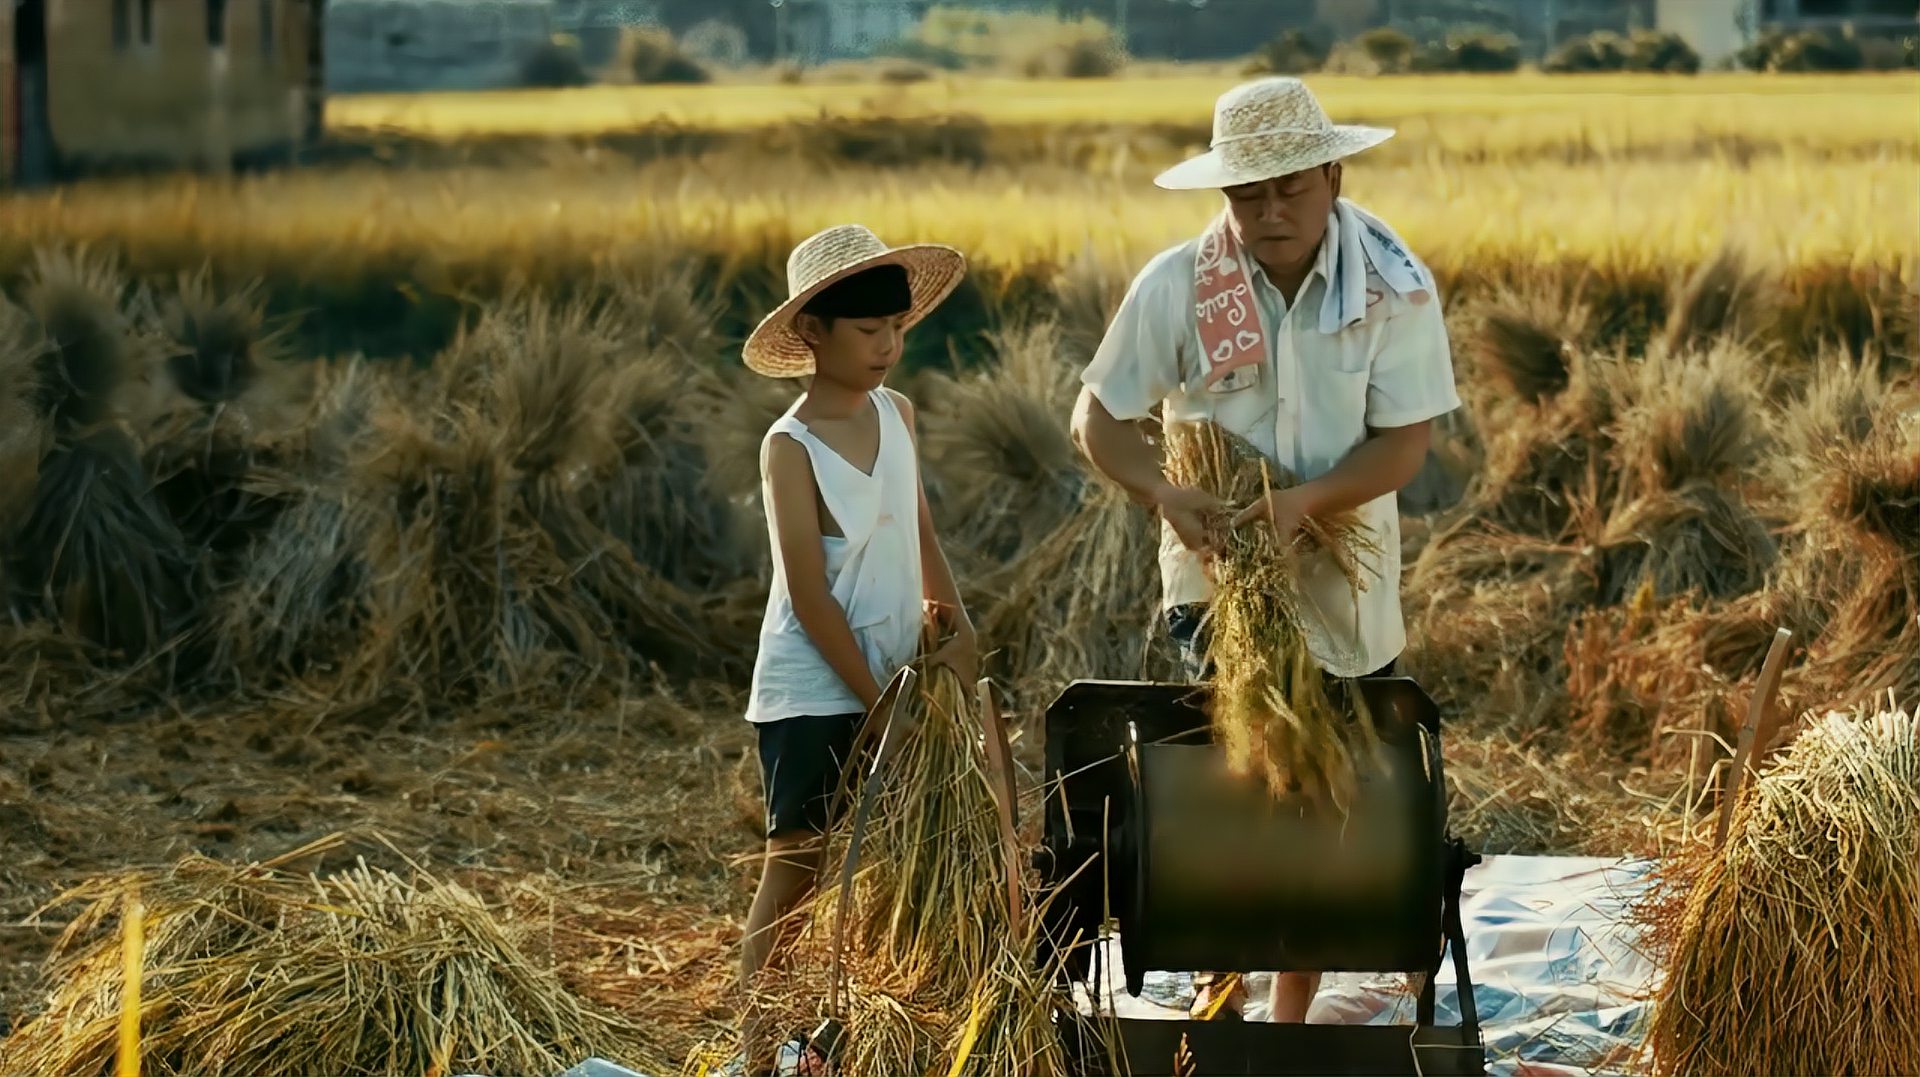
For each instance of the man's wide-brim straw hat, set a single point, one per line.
(1266, 129)
(825, 258)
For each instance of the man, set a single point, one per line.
(1300, 323)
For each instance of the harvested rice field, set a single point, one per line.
(394, 520)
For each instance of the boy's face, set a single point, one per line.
(855, 353)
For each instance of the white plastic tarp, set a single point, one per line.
(1560, 980)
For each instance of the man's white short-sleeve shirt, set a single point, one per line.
(1312, 403)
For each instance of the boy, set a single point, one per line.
(856, 563)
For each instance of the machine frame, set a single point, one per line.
(1093, 731)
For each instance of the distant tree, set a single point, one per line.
(1294, 52)
(554, 63)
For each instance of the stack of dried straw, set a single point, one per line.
(259, 971)
(1271, 708)
(1795, 947)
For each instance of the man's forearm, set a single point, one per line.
(1380, 465)
(1117, 448)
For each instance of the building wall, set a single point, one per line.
(1712, 27)
(7, 149)
(858, 27)
(378, 46)
(175, 98)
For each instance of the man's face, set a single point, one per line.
(855, 353)
(1282, 220)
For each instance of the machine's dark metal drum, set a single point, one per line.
(1213, 875)
(1146, 831)
(1228, 878)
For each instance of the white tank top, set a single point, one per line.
(873, 570)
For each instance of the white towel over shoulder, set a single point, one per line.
(1366, 242)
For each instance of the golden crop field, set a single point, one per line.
(411, 495)
(1793, 213)
(1443, 115)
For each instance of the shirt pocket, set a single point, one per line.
(1334, 414)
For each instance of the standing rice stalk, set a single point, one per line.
(938, 980)
(1797, 946)
(930, 896)
(1271, 708)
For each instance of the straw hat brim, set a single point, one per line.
(776, 349)
(1267, 157)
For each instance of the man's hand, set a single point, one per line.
(1283, 510)
(1189, 511)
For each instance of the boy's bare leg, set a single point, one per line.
(1292, 996)
(786, 878)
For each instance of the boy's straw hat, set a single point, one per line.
(1265, 129)
(933, 272)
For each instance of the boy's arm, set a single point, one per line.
(938, 583)
(794, 503)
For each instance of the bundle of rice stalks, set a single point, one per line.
(95, 552)
(569, 380)
(257, 970)
(224, 398)
(297, 601)
(659, 500)
(1873, 505)
(24, 435)
(487, 569)
(1700, 538)
(1086, 293)
(1005, 470)
(222, 346)
(90, 346)
(1542, 460)
(1486, 615)
(931, 898)
(467, 593)
(1797, 943)
(940, 979)
(1081, 602)
(1527, 342)
(1271, 710)
(664, 303)
(1719, 300)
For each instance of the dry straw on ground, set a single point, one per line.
(1797, 947)
(1271, 709)
(255, 970)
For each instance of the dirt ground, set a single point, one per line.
(623, 832)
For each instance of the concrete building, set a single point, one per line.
(406, 45)
(1718, 29)
(814, 31)
(103, 83)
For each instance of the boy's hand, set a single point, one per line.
(961, 653)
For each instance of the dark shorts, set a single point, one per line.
(1186, 626)
(801, 760)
